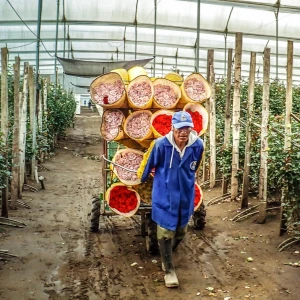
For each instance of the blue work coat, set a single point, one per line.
(173, 186)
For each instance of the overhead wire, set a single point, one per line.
(40, 40)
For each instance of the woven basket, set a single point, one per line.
(148, 135)
(160, 112)
(197, 205)
(137, 80)
(135, 72)
(175, 77)
(184, 96)
(166, 82)
(120, 132)
(202, 111)
(108, 198)
(123, 73)
(108, 78)
(122, 152)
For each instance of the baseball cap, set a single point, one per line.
(182, 119)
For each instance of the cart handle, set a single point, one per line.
(115, 164)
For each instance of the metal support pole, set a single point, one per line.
(162, 67)
(276, 17)
(64, 18)
(176, 58)
(117, 51)
(135, 22)
(56, 37)
(37, 64)
(155, 23)
(198, 37)
(124, 39)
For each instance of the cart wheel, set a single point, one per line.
(95, 215)
(199, 217)
(151, 235)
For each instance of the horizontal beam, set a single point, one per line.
(149, 25)
(251, 5)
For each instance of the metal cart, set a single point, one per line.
(100, 206)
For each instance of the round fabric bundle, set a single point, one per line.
(138, 125)
(140, 93)
(108, 91)
(166, 94)
(198, 198)
(175, 77)
(161, 122)
(130, 159)
(194, 89)
(123, 74)
(112, 125)
(199, 116)
(145, 190)
(135, 72)
(122, 199)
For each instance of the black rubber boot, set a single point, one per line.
(175, 243)
(165, 246)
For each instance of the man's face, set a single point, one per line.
(181, 135)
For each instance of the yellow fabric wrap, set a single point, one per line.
(145, 160)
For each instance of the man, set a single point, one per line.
(175, 157)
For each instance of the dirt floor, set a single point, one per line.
(58, 258)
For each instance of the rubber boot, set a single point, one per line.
(175, 242)
(165, 246)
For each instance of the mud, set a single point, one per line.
(59, 258)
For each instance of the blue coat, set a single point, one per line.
(173, 185)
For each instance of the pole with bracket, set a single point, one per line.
(276, 17)
(56, 38)
(198, 36)
(155, 24)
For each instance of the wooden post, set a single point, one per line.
(236, 115)
(23, 129)
(4, 122)
(263, 176)
(246, 179)
(16, 137)
(210, 59)
(212, 130)
(288, 127)
(32, 111)
(227, 114)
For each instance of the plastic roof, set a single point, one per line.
(106, 31)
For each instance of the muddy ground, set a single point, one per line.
(58, 258)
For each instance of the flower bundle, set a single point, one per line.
(197, 120)
(122, 199)
(129, 159)
(162, 124)
(198, 198)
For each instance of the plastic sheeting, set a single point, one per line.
(116, 30)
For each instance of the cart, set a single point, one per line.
(100, 207)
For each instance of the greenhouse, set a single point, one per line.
(149, 149)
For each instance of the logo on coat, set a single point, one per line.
(193, 165)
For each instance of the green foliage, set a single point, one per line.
(283, 166)
(56, 119)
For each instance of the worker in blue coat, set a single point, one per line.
(175, 158)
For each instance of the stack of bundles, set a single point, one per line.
(137, 110)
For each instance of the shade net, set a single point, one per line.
(83, 68)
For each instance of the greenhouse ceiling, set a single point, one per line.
(117, 30)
